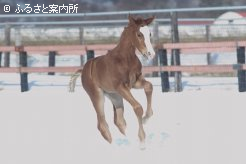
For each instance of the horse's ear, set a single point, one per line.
(131, 20)
(149, 20)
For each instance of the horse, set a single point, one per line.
(113, 75)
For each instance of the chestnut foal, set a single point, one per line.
(114, 74)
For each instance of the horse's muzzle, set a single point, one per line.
(149, 55)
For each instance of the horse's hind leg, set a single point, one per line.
(124, 91)
(97, 98)
(119, 119)
(118, 106)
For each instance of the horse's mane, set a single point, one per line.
(140, 21)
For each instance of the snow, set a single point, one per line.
(46, 125)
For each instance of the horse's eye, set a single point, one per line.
(139, 35)
(150, 34)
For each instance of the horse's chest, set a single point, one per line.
(127, 70)
(134, 68)
(134, 71)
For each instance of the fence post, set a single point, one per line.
(241, 73)
(0, 59)
(208, 39)
(22, 60)
(82, 41)
(162, 53)
(52, 61)
(90, 54)
(7, 43)
(155, 44)
(23, 76)
(176, 52)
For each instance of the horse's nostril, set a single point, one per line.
(149, 53)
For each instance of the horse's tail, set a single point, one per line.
(73, 79)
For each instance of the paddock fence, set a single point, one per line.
(163, 51)
(175, 38)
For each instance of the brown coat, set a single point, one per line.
(114, 74)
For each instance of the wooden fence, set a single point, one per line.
(201, 48)
(163, 51)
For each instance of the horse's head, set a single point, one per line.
(140, 35)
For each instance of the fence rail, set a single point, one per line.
(201, 46)
(225, 68)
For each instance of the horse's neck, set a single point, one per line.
(125, 46)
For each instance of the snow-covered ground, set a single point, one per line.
(205, 124)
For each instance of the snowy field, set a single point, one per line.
(205, 124)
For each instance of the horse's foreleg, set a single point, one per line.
(126, 94)
(148, 89)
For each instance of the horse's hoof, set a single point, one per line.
(103, 128)
(107, 136)
(122, 130)
(146, 117)
(142, 146)
(121, 126)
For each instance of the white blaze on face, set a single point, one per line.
(146, 33)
